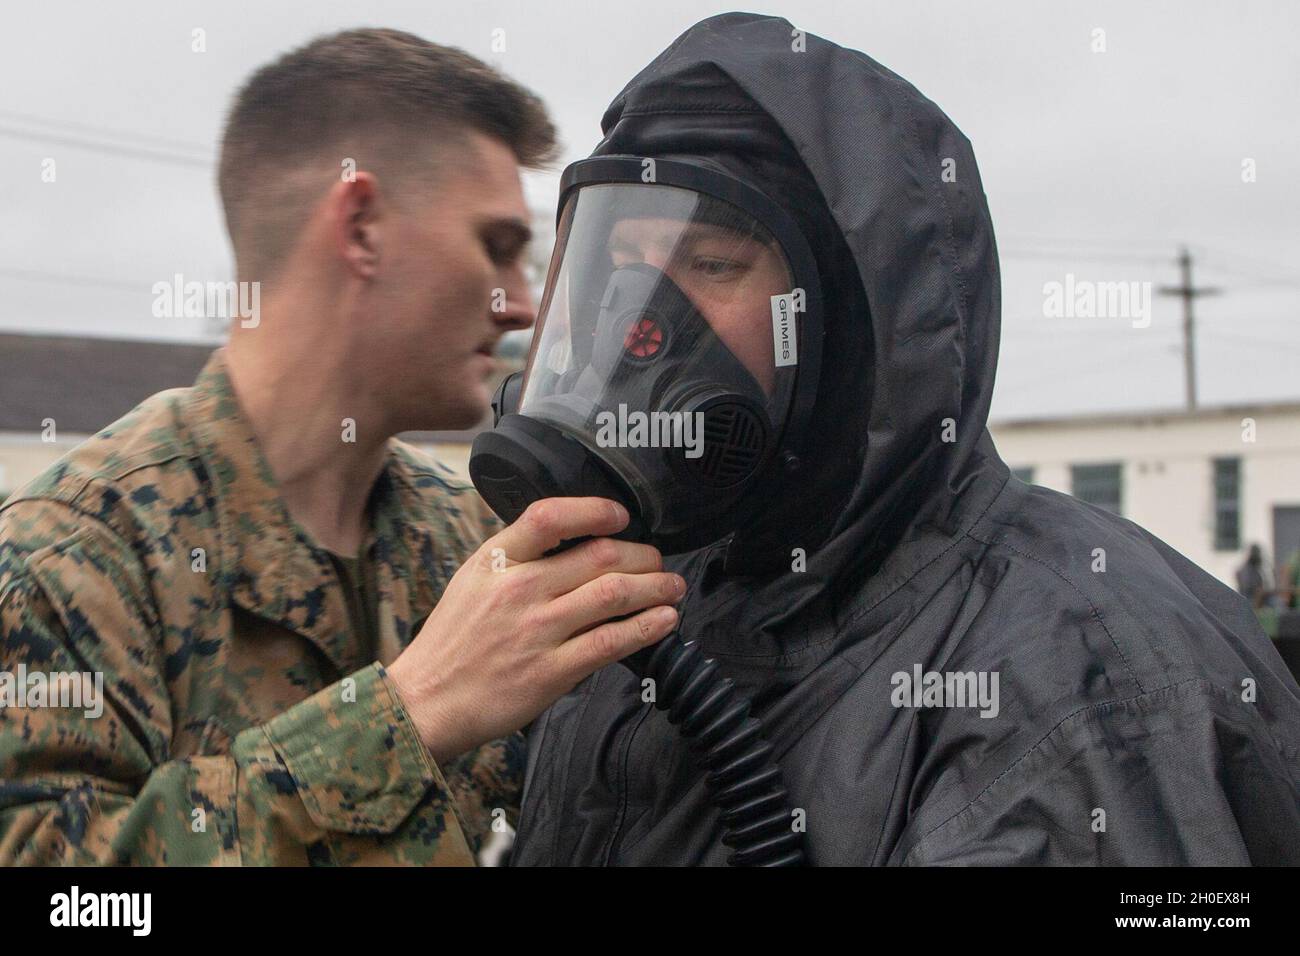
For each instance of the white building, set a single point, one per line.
(1209, 483)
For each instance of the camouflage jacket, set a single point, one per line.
(242, 721)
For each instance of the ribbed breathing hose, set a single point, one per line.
(744, 781)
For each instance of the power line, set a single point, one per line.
(1052, 338)
(64, 278)
(1049, 249)
(1186, 291)
(1261, 281)
(1028, 239)
(113, 148)
(1070, 256)
(71, 126)
(1290, 320)
(1272, 344)
(1278, 271)
(1109, 362)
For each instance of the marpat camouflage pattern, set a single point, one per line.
(244, 721)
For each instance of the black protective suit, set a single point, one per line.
(1143, 718)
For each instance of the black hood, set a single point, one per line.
(1116, 687)
(908, 266)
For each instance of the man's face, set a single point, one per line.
(729, 277)
(452, 283)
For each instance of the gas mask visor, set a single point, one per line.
(673, 361)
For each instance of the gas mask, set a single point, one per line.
(675, 359)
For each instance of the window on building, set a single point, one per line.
(1227, 504)
(1025, 474)
(1100, 485)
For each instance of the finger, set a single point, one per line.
(548, 522)
(569, 570)
(611, 642)
(612, 595)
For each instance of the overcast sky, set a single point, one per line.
(1098, 164)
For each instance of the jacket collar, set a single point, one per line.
(270, 565)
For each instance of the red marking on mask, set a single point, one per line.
(644, 339)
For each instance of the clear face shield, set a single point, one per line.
(667, 349)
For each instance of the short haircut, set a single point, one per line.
(386, 99)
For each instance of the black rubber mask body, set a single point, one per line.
(661, 416)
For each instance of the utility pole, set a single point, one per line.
(1187, 292)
